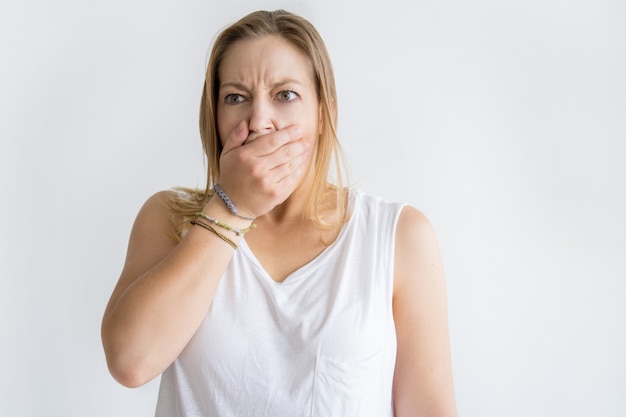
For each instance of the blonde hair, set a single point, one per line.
(304, 36)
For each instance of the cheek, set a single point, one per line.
(225, 125)
(221, 134)
(310, 122)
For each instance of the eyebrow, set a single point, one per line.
(273, 85)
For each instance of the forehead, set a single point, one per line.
(267, 58)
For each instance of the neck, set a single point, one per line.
(292, 210)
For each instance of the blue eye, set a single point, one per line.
(234, 99)
(287, 95)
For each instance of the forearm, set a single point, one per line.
(152, 321)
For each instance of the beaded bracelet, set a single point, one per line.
(216, 222)
(229, 204)
(218, 234)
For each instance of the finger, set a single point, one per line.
(290, 177)
(237, 137)
(290, 170)
(269, 143)
(286, 153)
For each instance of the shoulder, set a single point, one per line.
(413, 227)
(159, 199)
(158, 205)
(153, 235)
(152, 238)
(417, 254)
(173, 209)
(155, 218)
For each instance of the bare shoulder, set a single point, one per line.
(154, 228)
(417, 249)
(157, 203)
(412, 223)
(152, 238)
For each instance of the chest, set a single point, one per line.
(281, 253)
(322, 341)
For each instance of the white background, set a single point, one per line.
(504, 121)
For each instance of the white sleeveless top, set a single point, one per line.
(320, 344)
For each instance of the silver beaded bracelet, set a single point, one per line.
(229, 204)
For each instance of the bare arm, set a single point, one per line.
(423, 376)
(163, 293)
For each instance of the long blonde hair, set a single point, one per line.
(304, 36)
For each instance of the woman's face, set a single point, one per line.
(268, 83)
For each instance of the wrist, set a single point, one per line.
(216, 209)
(230, 205)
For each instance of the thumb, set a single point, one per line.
(237, 137)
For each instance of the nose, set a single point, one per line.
(261, 117)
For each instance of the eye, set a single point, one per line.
(234, 99)
(287, 95)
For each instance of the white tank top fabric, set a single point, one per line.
(320, 344)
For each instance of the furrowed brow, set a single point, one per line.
(282, 82)
(236, 85)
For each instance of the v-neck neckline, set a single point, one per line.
(314, 262)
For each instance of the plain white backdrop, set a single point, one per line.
(504, 121)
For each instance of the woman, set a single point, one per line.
(334, 302)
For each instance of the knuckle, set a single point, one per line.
(295, 132)
(274, 141)
(256, 171)
(242, 156)
(264, 183)
(269, 189)
(274, 193)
